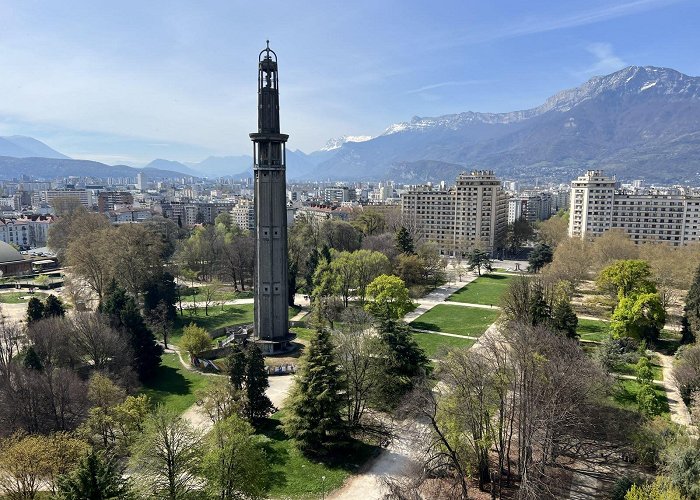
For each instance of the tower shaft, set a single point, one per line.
(269, 156)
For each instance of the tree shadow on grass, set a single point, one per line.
(167, 381)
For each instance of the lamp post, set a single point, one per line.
(323, 487)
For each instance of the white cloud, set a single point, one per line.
(606, 60)
(445, 84)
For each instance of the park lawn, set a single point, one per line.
(594, 330)
(460, 320)
(303, 333)
(432, 344)
(486, 289)
(20, 297)
(174, 386)
(631, 369)
(218, 296)
(298, 477)
(625, 395)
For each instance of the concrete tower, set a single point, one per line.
(269, 156)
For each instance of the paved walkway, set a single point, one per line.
(399, 458)
(679, 411)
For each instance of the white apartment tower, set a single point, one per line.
(471, 214)
(656, 216)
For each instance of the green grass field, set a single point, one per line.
(174, 386)
(460, 320)
(625, 395)
(432, 344)
(20, 297)
(631, 369)
(298, 477)
(486, 289)
(589, 329)
(303, 333)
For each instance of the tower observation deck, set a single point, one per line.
(269, 169)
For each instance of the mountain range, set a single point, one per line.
(637, 123)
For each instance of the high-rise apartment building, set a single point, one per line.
(471, 214)
(653, 216)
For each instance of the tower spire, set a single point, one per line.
(269, 168)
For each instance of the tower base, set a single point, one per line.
(276, 347)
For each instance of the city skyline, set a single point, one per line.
(173, 82)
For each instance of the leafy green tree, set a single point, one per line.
(257, 405)
(645, 374)
(35, 310)
(195, 339)
(640, 316)
(540, 256)
(478, 259)
(625, 277)
(95, 478)
(660, 489)
(124, 315)
(564, 317)
(388, 297)
(316, 402)
(53, 307)
(404, 241)
(235, 465)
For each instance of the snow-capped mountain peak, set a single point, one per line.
(339, 141)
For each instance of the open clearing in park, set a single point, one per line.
(432, 343)
(486, 290)
(20, 297)
(460, 320)
(625, 395)
(591, 329)
(298, 477)
(174, 386)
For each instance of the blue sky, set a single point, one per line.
(129, 81)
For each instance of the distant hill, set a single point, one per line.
(639, 122)
(21, 146)
(173, 166)
(50, 168)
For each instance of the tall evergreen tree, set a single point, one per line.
(404, 241)
(35, 310)
(540, 312)
(95, 478)
(53, 307)
(237, 367)
(404, 359)
(564, 318)
(691, 312)
(257, 405)
(162, 289)
(316, 403)
(124, 315)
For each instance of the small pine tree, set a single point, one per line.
(32, 360)
(95, 478)
(257, 405)
(316, 403)
(53, 307)
(564, 318)
(35, 310)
